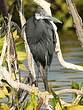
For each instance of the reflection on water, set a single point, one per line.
(59, 77)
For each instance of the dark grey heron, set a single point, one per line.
(42, 41)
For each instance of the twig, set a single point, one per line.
(39, 104)
(69, 91)
(14, 59)
(44, 95)
(11, 51)
(77, 99)
(15, 84)
(8, 45)
(4, 10)
(3, 52)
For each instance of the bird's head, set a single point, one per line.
(42, 14)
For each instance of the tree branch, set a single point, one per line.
(77, 20)
(79, 30)
(29, 54)
(44, 95)
(15, 84)
(3, 52)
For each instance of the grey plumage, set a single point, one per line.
(41, 39)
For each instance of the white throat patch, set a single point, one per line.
(38, 16)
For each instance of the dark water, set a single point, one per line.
(60, 78)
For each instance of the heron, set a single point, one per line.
(41, 39)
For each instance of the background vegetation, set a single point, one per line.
(58, 7)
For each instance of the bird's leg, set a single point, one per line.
(44, 77)
(37, 74)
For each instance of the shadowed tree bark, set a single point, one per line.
(3, 9)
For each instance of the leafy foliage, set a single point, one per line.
(32, 103)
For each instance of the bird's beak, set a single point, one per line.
(52, 19)
(38, 16)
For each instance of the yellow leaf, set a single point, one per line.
(75, 107)
(58, 107)
(3, 92)
(15, 35)
(21, 55)
(29, 107)
(4, 107)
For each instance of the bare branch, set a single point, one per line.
(59, 54)
(29, 55)
(44, 95)
(3, 52)
(15, 84)
(77, 20)
(79, 29)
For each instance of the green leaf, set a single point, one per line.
(32, 104)
(81, 85)
(56, 101)
(52, 102)
(75, 85)
(68, 23)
